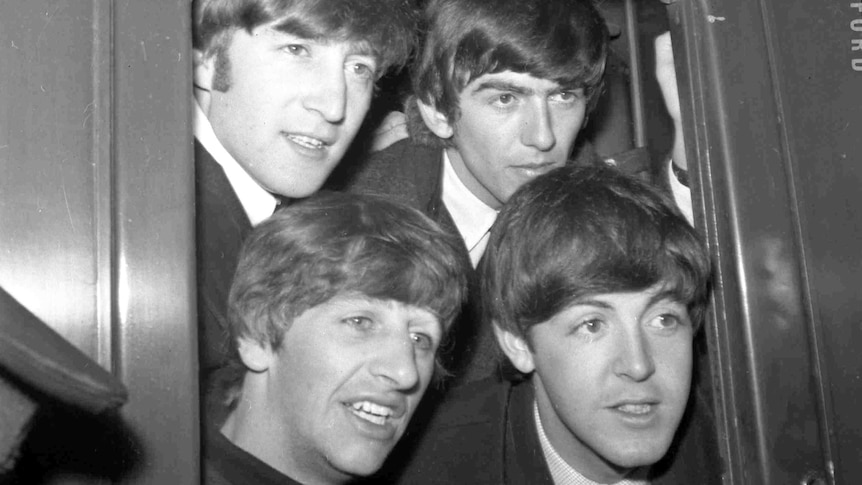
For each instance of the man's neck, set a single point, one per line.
(472, 217)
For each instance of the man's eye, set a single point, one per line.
(362, 70)
(422, 341)
(667, 321)
(590, 327)
(505, 99)
(296, 49)
(359, 323)
(570, 96)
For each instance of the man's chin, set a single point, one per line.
(300, 191)
(361, 463)
(645, 455)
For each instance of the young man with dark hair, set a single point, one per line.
(596, 286)
(281, 88)
(501, 90)
(337, 310)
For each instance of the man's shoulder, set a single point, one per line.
(472, 406)
(406, 171)
(463, 442)
(221, 226)
(473, 403)
(209, 175)
(218, 212)
(215, 198)
(408, 149)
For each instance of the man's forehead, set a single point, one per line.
(656, 294)
(304, 29)
(357, 299)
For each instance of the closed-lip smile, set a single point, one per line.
(541, 167)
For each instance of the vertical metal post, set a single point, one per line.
(635, 78)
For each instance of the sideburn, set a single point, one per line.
(221, 77)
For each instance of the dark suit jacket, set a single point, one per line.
(221, 225)
(412, 173)
(485, 434)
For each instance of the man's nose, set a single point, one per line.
(396, 364)
(327, 95)
(538, 130)
(634, 359)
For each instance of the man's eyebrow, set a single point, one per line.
(302, 29)
(656, 298)
(498, 85)
(590, 301)
(435, 322)
(362, 48)
(665, 294)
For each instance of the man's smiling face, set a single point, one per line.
(344, 384)
(286, 107)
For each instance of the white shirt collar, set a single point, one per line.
(472, 217)
(562, 473)
(256, 201)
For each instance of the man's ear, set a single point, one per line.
(204, 69)
(436, 121)
(256, 356)
(516, 349)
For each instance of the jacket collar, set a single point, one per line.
(523, 459)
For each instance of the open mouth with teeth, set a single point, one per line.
(637, 409)
(371, 412)
(307, 141)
